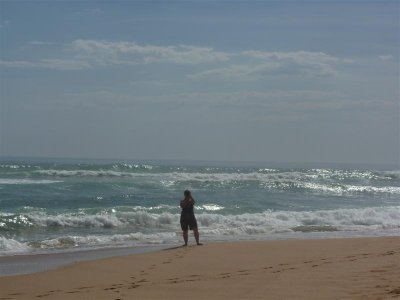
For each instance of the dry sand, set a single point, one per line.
(361, 268)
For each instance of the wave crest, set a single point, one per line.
(150, 228)
(265, 222)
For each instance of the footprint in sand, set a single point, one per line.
(84, 288)
(395, 291)
(175, 278)
(308, 261)
(173, 281)
(152, 267)
(243, 272)
(114, 287)
(133, 286)
(378, 271)
(350, 256)
(381, 286)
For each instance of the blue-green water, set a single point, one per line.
(48, 207)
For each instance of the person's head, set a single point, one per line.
(187, 193)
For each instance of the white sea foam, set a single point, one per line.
(106, 240)
(110, 220)
(395, 174)
(210, 207)
(163, 228)
(12, 246)
(268, 221)
(132, 166)
(283, 221)
(7, 166)
(83, 173)
(318, 180)
(343, 189)
(27, 181)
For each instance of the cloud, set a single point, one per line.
(243, 100)
(244, 65)
(299, 56)
(129, 52)
(386, 57)
(242, 72)
(40, 43)
(277, 105)
(275, 63)
(55, 64)
(219, 107)
(17, 64)
(93, 53)
(4, 24)
(64, 64)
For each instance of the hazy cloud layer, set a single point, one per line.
(237, 65)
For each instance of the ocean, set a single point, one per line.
(66, 206)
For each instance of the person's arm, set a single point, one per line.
(184, 203)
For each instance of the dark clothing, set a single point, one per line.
(188, 220)
(188, 209)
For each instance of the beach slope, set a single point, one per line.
(357, 268)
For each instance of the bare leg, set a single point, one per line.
(196, 236)
(185, 237)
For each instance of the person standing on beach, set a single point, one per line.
(188, 220)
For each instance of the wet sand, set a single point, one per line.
(26, 264)
(354, 268)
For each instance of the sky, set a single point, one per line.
(272, 81)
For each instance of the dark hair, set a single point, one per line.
(186, 193)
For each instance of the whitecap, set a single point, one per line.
(27, 181)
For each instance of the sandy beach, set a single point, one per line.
(357, 268)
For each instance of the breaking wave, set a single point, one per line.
(213, 225)
(320, 180)
(26, 181)
(267, 221)
(49, 206)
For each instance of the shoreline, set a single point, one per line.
(23, 264)
(28, 263)
(345, 268)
